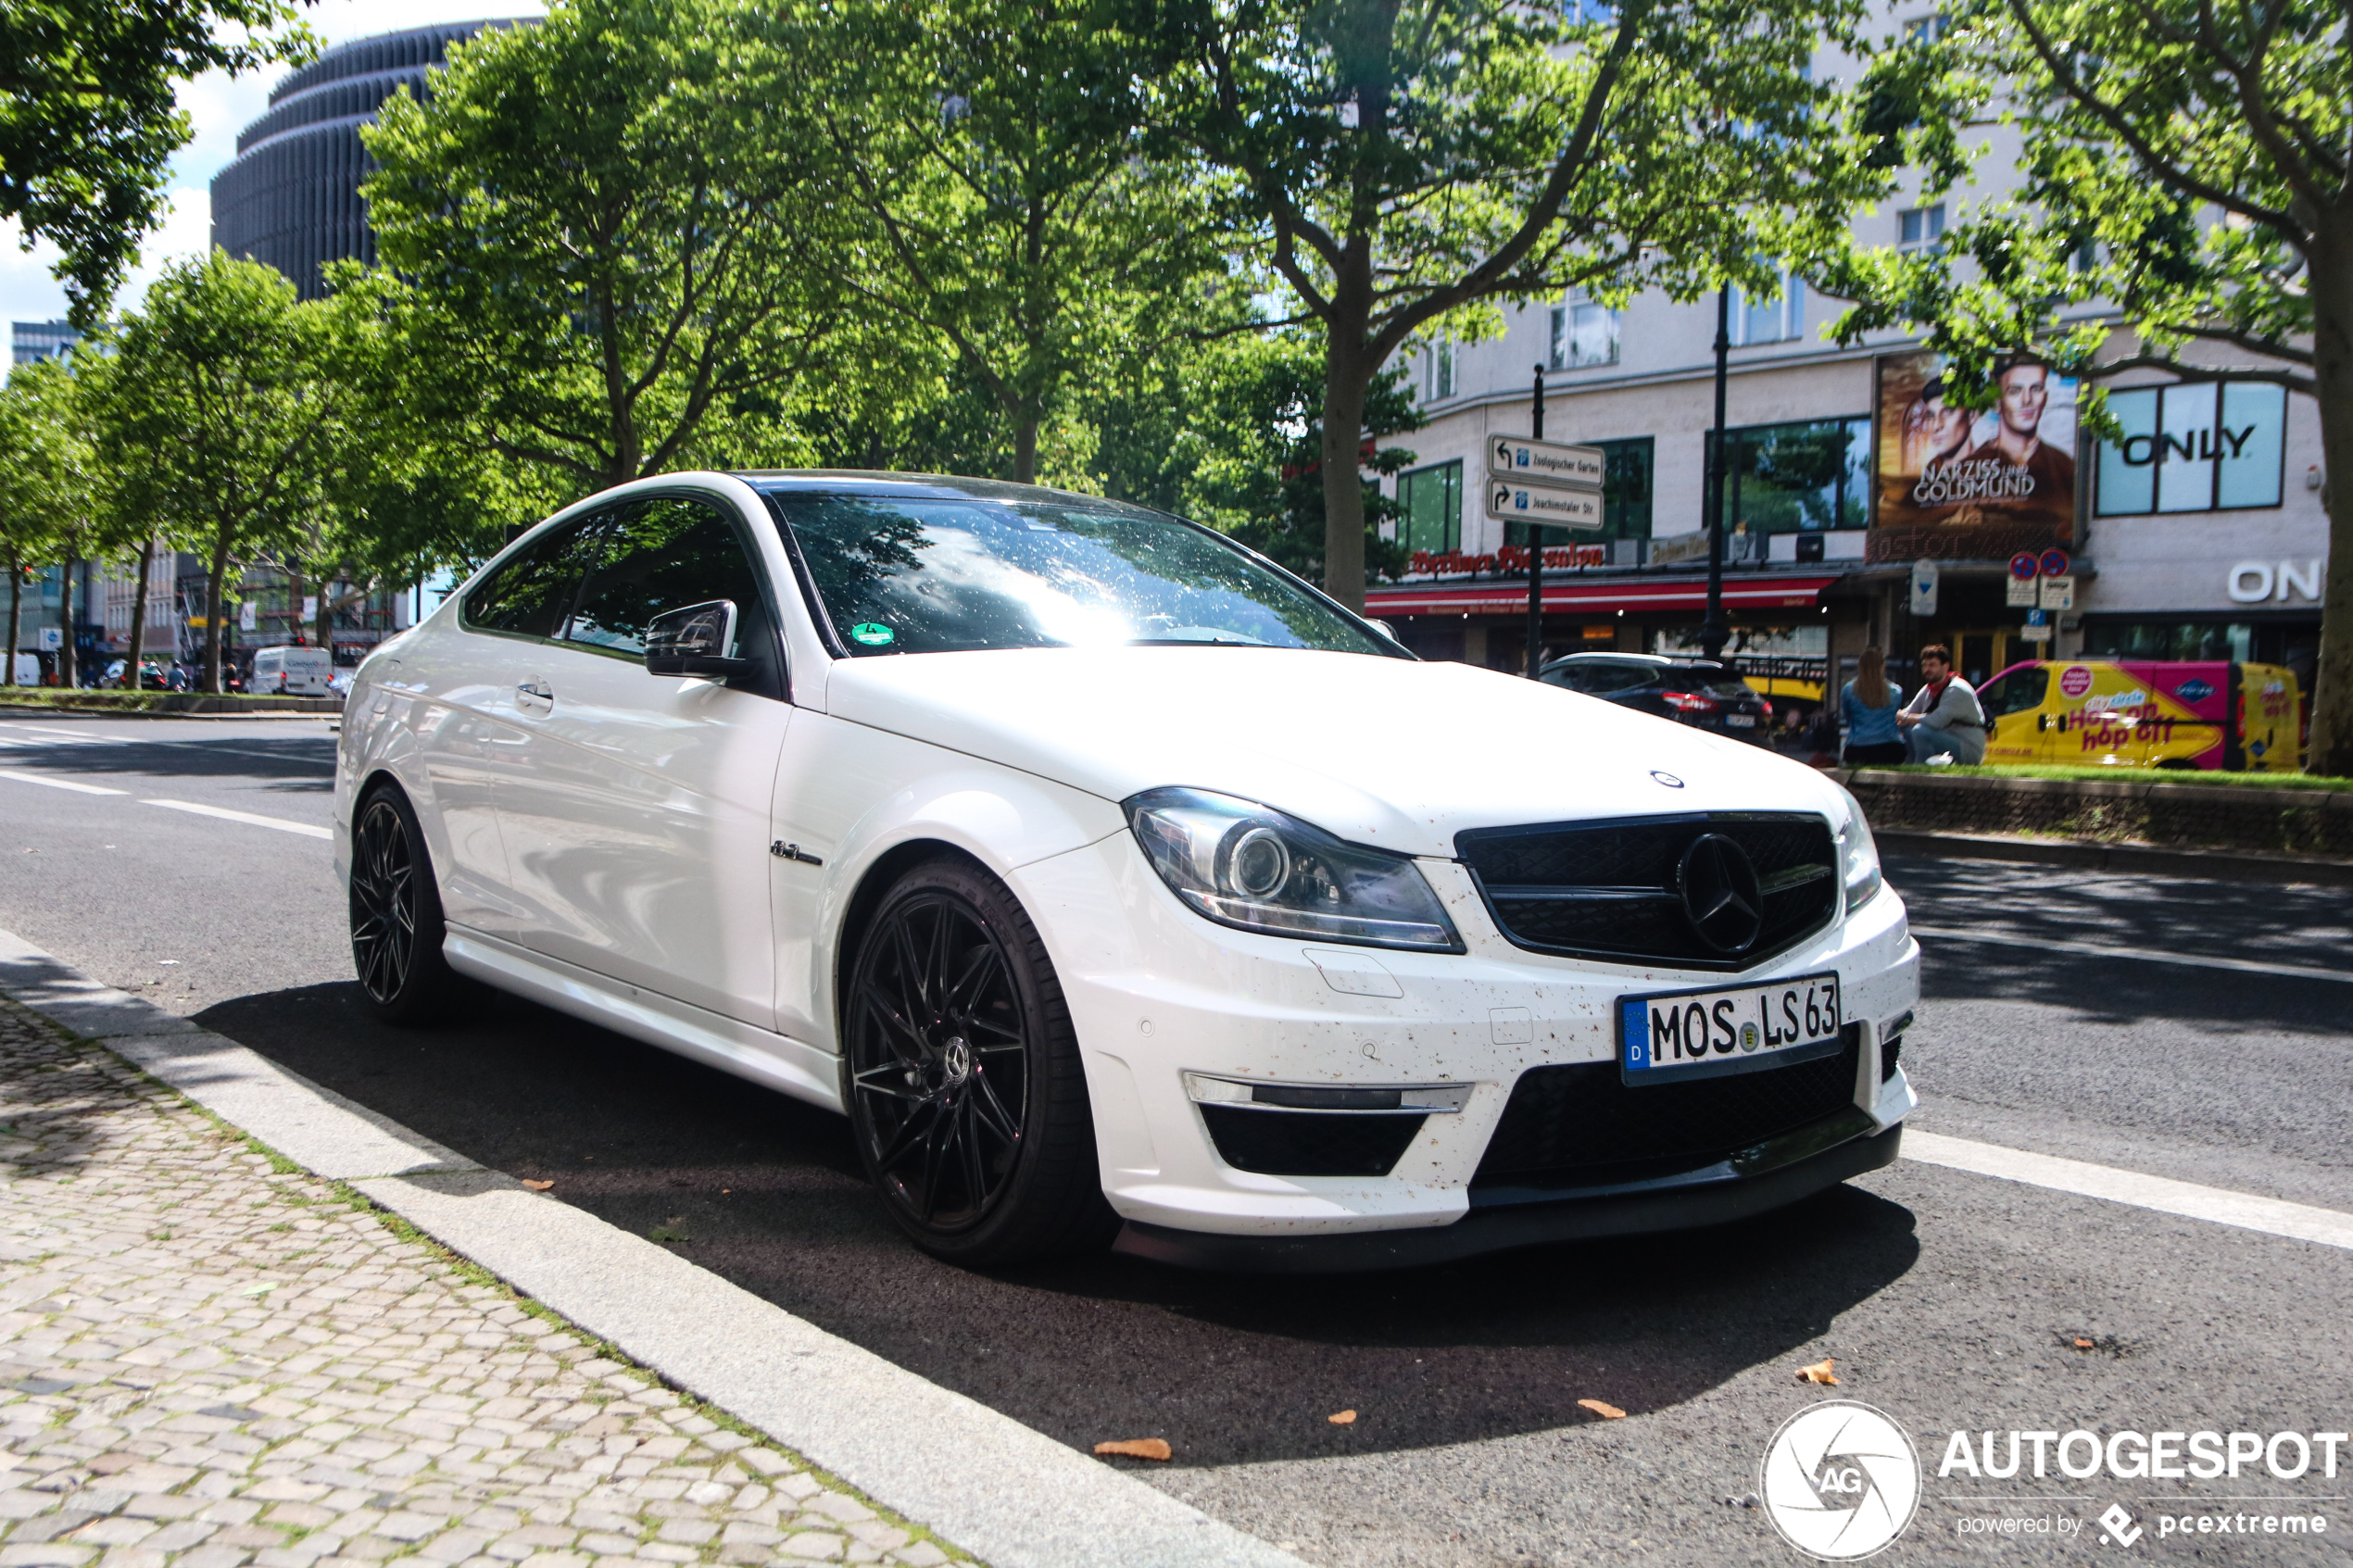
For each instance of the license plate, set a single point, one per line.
(1741, 721)
(1707, 1034)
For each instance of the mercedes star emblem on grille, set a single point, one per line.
(1669, 780)
(1720, 895)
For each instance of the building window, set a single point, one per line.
(1797, 478)
(1627, 476)
(1925, 30)
(1776, 319)
(1429, 506)
(1583, 334)
(2205, 447)
(1438, 372)
(1920, 229)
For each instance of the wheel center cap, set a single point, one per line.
(956, 1058)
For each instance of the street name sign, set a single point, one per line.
(1525, 461)
(1515, 501)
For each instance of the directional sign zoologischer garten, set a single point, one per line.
(1524, 461)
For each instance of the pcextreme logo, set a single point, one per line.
(1840, 1480)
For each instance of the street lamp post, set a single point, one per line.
(1535, 552)
(1712, 632)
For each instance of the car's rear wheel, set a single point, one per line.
(960, 1073)
(395, 914)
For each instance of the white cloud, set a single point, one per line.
(219, 108)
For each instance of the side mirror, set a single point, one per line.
(694, 641)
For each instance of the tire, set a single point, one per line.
(395, 914)
(962, 1077)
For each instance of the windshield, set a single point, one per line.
(941, 576)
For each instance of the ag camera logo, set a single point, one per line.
(1841, 1481)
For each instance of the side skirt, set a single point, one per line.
(778, 1061)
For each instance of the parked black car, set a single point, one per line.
(1692, 691)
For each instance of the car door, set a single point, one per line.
(474, 681)
(636, 824)
(2020, 730)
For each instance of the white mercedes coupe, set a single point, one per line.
(1118, 885)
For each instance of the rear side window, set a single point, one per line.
(2019, 691)
(662, 555)
(529, 593)
(1712, 679)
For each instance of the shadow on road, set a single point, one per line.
(1229, 1369)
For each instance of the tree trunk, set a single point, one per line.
(1024, 448)
(67, 663)
(323, 625)
(1345, 378)
(2332, 750)
(139, 615)
(212, 681)
(16, 618)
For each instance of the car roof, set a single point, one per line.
(1656, 660)
(924, 487)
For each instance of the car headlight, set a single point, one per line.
(1858, 857)
(1245, 865)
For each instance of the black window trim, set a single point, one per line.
(590, 517)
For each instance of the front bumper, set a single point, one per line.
(1162, 999)
(1731, 1190)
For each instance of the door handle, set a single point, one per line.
(534, 690)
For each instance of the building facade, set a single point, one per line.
(291, 199)
(1850, 487)
(29, 341)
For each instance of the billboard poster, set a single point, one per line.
(1957, 485)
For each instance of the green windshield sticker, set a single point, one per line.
(872, 633)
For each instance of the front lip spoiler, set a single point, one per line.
(1718, 1194)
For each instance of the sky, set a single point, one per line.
(219, 107)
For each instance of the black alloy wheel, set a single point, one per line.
(962, 1076)
(395, 914)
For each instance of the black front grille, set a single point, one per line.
(1309, 1143)
(1583, 1125)
(1608, 889)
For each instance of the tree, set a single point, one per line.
(227, 396)
(994, 154)
(2190, 167)
(90, 120)
(606, 222)
(44, 484)
(1408, 164)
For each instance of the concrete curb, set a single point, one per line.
(1006, 1493)
(2225, 865)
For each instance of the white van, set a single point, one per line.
(291, 673)
(27, 668)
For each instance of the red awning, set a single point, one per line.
(1499, 598)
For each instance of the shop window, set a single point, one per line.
(1583, 334)
(1627, 473)
(1429, 505)
(1775, 319)
(1798, 478)
(2205, 447)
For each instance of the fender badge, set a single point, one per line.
(1669, 780)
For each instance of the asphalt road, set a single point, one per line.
(1950, 1300)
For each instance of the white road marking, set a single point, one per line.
(58, 784)
(2102, 950)
(228, 816)
(2302, 1222)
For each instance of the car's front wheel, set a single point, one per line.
(962, 1076)
(395, 914)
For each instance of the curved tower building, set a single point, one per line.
(291, 199)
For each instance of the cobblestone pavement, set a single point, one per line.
(206, 1363)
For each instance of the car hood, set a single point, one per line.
(1390, 752)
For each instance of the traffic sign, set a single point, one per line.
(1518, 502)
(2019, 593)
(2059, 593)
(2025, 567)
(1924, 582)
(2056, 564)
(1524, 461)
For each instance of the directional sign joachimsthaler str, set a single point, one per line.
(1516, 501)
(1553, 463)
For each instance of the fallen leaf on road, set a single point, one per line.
(1137, 1447)
(1345, 1418)
(537, 1186)
(1819, 1372)
(2082, 1344)
(1607, 1411)
(257, 1290)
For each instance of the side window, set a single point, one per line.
(529, 594)
(2020, 691)
(662, 555)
